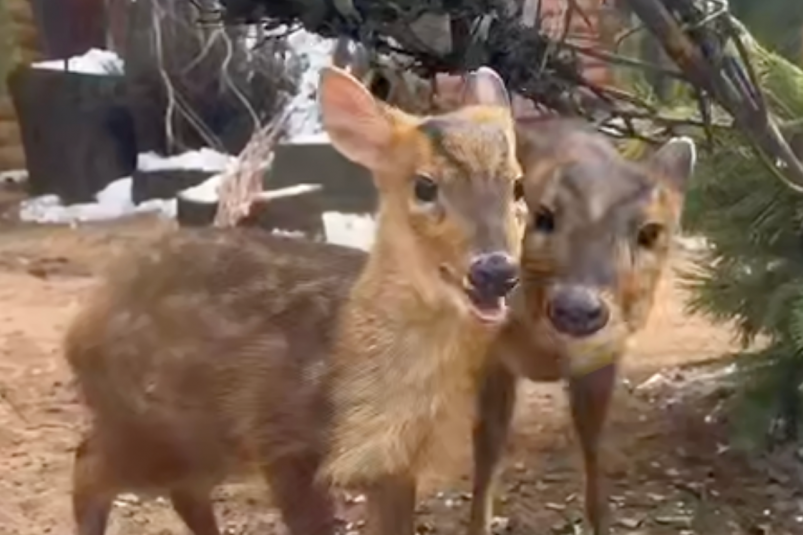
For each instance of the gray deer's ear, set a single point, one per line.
(485, 87)
(675, 161)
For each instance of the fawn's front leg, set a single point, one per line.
(390, 506)
(590, 396)
(495, 403)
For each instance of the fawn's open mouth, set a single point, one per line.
(488, 307)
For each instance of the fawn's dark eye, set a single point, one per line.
(426, 190)
(518, 189)
(544, 220)
(649, 234)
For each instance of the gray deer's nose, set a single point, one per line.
(577, 311)
(493, 274)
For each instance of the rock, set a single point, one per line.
(127, 499)
(674, 520)
(358, 498)
(500, 524)
(671, 472)
(425, 527)
(629, 523)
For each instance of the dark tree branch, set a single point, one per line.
(548, 70)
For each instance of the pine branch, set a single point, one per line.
(548, 70)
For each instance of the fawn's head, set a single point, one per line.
(599, 232)
(447, 215)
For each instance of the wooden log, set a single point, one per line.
(7, 112)
(347, 187)
(296, 209)
(289, 209)
(26, 36)
(10, 134)
(164, 184)
(12, 157)
(20, 11)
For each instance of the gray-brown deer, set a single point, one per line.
(598, 237)
(387, 80)
(217, 353)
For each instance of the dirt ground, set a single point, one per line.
(669, 467)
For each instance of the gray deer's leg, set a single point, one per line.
(495, 404)
(590, 396)
(390, 506)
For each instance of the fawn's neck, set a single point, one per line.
(405, 369)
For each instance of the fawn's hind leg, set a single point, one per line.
(390, 506)
(305, 503)
(92, 492)
(194, 507)
(495, 403)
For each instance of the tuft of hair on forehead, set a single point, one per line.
(589, 173)
(538, 136)
(607, 184)
(470, 142)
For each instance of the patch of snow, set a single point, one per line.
(14, 176)
(93, 61)
(289, 233)
(205, 192)
(315, 52)
(298, 189)
(113, 201)
(205, 159)
(352, 230)
(692, 243)
(309, 139)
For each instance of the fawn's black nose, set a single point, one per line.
(577, 311)
(493, 274)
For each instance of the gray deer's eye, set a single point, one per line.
(518, 189)
(649, 234)
(544, 220)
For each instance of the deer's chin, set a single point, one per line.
(491, 311)
(585, 355)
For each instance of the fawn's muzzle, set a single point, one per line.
(577, 311)
(490, 278)
(493, 274)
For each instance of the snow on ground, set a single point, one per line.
(13, 176)
(112, 202)
(354, 230)
(206, 191)
(94, 61)
(204, 159)
(115, 200)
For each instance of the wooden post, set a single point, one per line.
(19, 44)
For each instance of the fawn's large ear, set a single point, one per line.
(354, 120)
(675, 161)
(484, 87)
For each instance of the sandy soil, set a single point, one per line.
(669, 468)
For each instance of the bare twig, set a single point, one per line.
(242, 183)
(157, 13)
